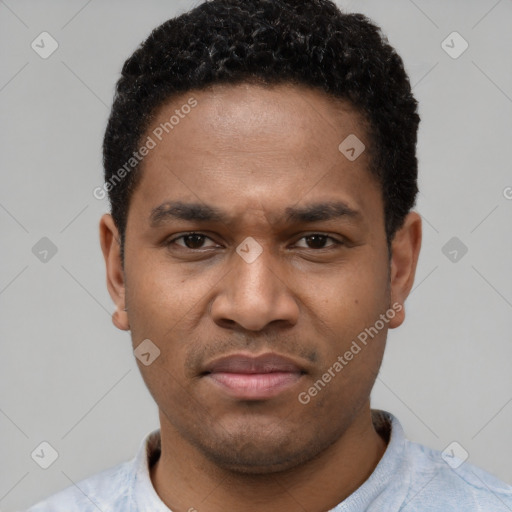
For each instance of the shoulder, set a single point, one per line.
(102, 491)
(441, 479)
(110, 490)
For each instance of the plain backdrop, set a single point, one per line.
(68, 376)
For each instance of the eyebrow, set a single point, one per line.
(177, 210)
(321, 211)
(197, 212)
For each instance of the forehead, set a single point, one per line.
(249, 114)
(252, 147)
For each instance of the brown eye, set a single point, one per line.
(318, 241)
(191, 241)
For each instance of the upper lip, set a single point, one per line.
(244, 363)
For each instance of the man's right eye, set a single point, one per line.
(191, 241)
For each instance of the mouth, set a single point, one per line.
(247, 377)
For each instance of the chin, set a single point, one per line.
(255, 463)
(262, 456)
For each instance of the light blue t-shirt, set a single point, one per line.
(409, 477)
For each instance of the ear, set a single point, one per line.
(405, 249)
(111, 248)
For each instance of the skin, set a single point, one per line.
(253, 152)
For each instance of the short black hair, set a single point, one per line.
(301, 42)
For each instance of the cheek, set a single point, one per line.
(163, 296)
(350, 305)
(171, 393)
(352, 298)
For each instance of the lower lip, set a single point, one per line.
(254, 386)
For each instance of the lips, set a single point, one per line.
(253, 378)
(265, 363)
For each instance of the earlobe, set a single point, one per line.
(120, 320)
(111, 248)
(405, 253)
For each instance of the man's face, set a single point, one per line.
(265, 159)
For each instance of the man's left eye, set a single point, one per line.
(318, 241)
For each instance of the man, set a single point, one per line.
(260, 160)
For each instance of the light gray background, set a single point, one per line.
(68, 376)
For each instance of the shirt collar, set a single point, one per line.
(385, 488)
(144, 496)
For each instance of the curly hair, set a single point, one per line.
(302, 42)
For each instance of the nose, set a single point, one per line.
(254, 295)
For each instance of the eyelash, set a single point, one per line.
(335, 243)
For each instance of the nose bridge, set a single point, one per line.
(253, 293)
(254, 267)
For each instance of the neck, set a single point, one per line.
(186, 481)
